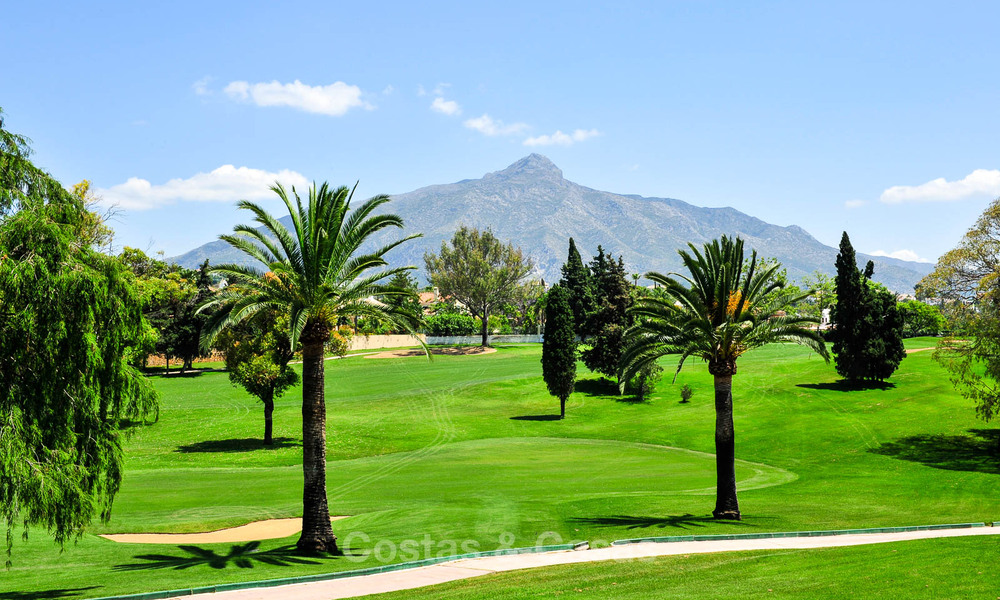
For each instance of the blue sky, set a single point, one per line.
(881, 119)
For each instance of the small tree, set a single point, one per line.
(686, 394)
(257, 353)
(559, 347)
(478, 270)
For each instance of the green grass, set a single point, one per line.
(458, 454)
(931, 569)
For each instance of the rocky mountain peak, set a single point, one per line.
(533, 165)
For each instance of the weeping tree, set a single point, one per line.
(316, 273)
(70, 320)
(723, 308)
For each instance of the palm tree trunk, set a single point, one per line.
(317, 535)
(268, 412)
(726, 504)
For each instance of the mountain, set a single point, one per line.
(533, 205)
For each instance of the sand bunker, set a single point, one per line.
(912, 350)
(251, 532)
(451, 351)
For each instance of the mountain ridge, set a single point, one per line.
(531, 204)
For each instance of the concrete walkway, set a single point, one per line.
(474, 567)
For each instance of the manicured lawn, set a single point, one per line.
(460, 454)
(931, 569)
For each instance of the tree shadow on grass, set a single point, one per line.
(238, 445)
(631, 399)
(685, 521)
(536, 418)
(47, 594)
(196, 372)
(596, 387)
(243, 556)
(977, 452)
(843, 385)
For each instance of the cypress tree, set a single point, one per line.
(868, 327)
(577, 280)
(559, 347)
(846, 314)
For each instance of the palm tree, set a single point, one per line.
(726, 307)
(317, 275)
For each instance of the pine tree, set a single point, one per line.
(577, 280)
(559, 347)
(607, 324)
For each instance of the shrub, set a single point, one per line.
(686, 393)
(450, 324)
(644, 382)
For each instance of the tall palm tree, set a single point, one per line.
(725, 307)
(316, 274)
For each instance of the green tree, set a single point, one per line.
(185, 325)
(559, 347)
(576, 279)
(316, 274)
(607, 323)
(69, 320)
(920, 318)
(409, 302)
(724, 308)
(823, 294)
(883, 347)
(846, 316)
(966, 281)
(478, 270)
(257, 352)
(868, 329)
(526, 307)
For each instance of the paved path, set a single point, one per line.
(474, 567)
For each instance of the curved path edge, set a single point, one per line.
(474, 567)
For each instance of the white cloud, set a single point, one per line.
(562, 139)
(441, 88)
(225, 184)
(334, 99)
(388, 90)
(981, 182)
(200, 87)
(855, 203)
(488, 126)
(446, 107)
(421, 91)
(901, 255)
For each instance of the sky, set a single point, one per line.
(879, 119)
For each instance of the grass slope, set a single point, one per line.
(460, 454)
